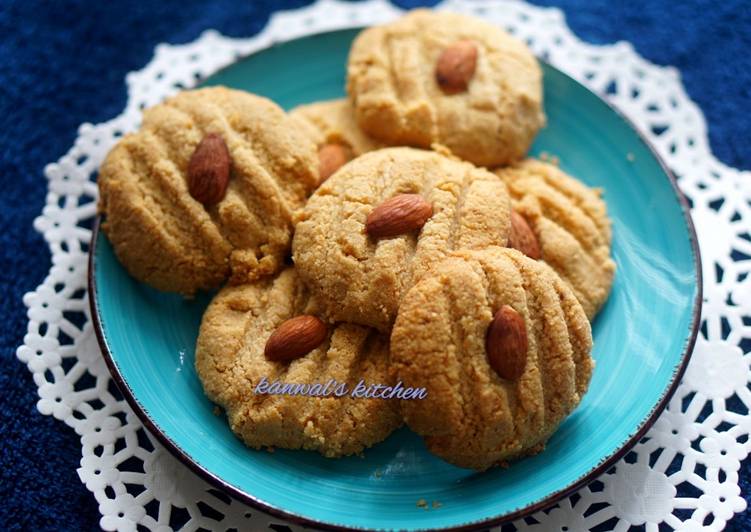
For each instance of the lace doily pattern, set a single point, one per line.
(682, 476)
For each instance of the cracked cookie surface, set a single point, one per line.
(361, 279)
(391, 80)
(472, 417)
(571, 224)
(230, 362)
(169, 240)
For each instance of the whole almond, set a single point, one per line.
(455, 66)
(295, 338)
(331, 157)
(399, 215)
(208, 170)
(506, 343)
(522, 238)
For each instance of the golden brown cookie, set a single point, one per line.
(333, 122)
(361, 278)
(571, 224)
(231, 364)
(473, 417)
(169, 239)
(437, 77)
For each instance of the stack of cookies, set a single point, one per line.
(397, 240)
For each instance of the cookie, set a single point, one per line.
(333, 122)
(169, 239)
(571, 224)
(361, 278)
(236, 374)
(472, 416)
(437, 77)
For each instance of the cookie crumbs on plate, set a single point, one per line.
(630, 157)
(437, 504)
(217, 411)
(548, 158)
(378, 473)
(422, 503)
(270, 449)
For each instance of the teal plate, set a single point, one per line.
(643, 337)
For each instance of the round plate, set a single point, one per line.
(643, 337)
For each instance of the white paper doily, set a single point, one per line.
(683, 475)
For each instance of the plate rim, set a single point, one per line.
(542, 504)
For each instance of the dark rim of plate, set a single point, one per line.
(543, 504)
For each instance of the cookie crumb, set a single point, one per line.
(437, 504)
(544, 156)
(217, 411)
(378, 473)
(630, 157)
(422, 503)
(270, 450)
(554, 160)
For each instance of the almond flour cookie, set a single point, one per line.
(236, 374)
(418, 207)
(253, 169)
(333, 127)
(437, 77)
(333, 122)
(503, 348)
(571, 224)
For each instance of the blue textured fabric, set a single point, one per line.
(63, 63)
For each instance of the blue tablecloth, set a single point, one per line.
(63, 63)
